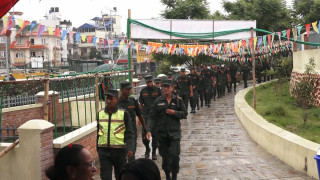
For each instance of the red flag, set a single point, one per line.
(288, 33)
(308, 29)
(269, 39)
(89, 39)
(250, 43)
(57, 32)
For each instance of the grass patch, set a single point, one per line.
(281, 110)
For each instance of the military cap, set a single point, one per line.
(157, 80)
(183, 69)
(112, 92)
(164, 78)
(169, 74)
(167, 82)
(148, 78)
(125, 84)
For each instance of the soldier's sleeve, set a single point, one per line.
(181, 112)
(137, 108)
(129, 133)
(140, 98)
(153, 117)
(159, 92)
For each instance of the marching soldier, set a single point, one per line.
(166, 114)
(200, 89)
(223, 79)
(233, 69)
(132, 106)
(216, 82)
(157, 82)
(195, 83)
(147, 97)
(208, 81)
(115, 137)
(245, 74)
(259, 70)
(185, 83)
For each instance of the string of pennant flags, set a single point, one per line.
(240, 50)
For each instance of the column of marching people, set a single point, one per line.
(161, 104)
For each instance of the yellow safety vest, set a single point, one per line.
(117, 129)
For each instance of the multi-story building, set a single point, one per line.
(2, 47)
(29, 51)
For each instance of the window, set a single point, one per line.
(2, 39)
(43, 41)
(19, 55)
(33, 54)
(18, 41)
(2, 54)
(32, 41)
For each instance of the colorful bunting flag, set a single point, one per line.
(308, 29)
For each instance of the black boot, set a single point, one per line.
(201, 103)
(174, 176)
(147, 153)
(168, 175)
(154, 153)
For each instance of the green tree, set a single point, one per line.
(217, 15)
(271, 15)
(95, 54)
(185, 9)
(304, 91)
(306, 11)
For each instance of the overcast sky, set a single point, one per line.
(81, 11)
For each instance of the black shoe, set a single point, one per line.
(174, 176)
(154, 155)
(198, 108)
(202, 104)
(208, 105)
(193, 111)
(234, 90)
(168, 177)
(147, 154)
(214, 99)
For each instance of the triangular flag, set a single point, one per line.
(10, 22)
(20, 23)
(83, 37)
(5, 21)
(77, 38)
(269, 39)
(319, 26)
(70, 36)
(294, 33)
(284, 33)
(94, 39)
(299, 30)
(89, 39)
(64, 34)
(33, 24)
(308, 29)
(25, 23)
(57, 32)
(255, 42)
(40, 30)
(264, 40)
(50, 30)
(288, 33)
(315, 28)
(259, 41)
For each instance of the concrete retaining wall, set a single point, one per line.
(288, 147)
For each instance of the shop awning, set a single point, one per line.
(6, 5)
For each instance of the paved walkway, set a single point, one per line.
(216, 146)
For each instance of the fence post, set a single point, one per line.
(97, 90)
(46, 98)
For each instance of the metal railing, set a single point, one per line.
(67, 114)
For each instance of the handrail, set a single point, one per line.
(5, 151)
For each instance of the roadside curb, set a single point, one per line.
(294, 150)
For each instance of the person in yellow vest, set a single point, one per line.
(115, 138)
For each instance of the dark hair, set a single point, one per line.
(144, 169)
(68, 155)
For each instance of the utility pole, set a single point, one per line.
(253, 70)
(7, 59)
